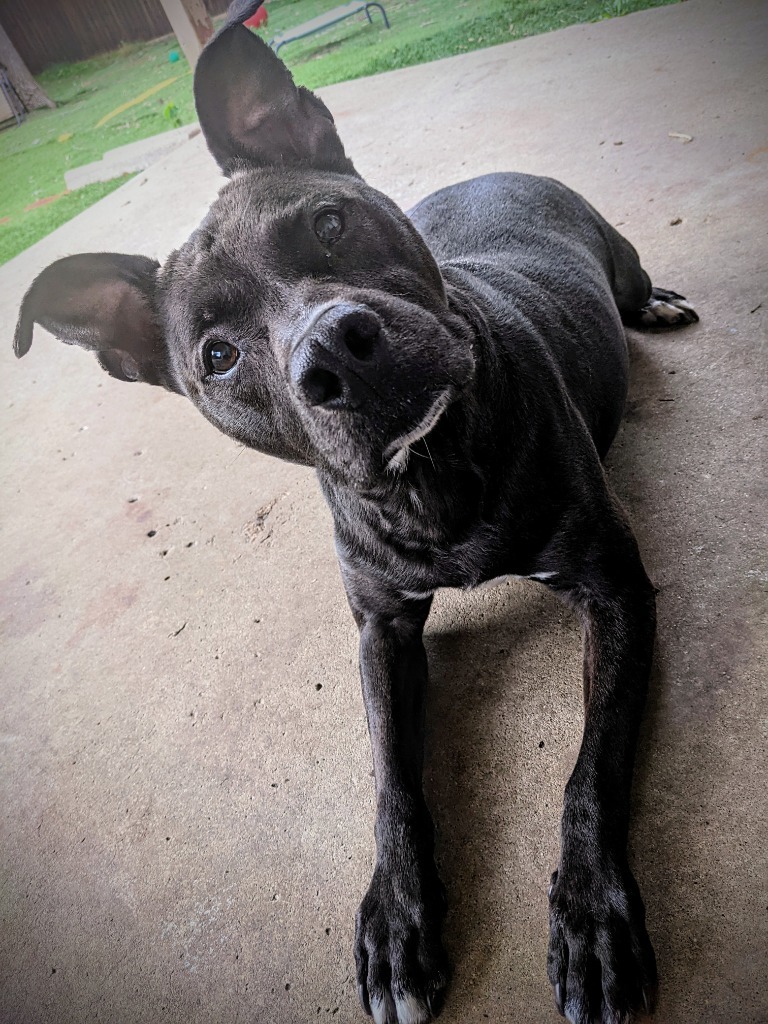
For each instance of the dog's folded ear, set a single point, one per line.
(106, 303)
(250, 110)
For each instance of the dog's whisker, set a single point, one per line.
(419, 455)
(237, 455)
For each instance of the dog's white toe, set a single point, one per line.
(411, 1010)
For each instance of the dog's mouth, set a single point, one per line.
(397, 453)
(371, 379)
(371, 447)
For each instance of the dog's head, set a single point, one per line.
(305, 316)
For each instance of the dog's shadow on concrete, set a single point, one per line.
(493, 771)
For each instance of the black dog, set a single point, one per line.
(455, 378)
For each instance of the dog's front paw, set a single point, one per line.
(600, 960)
(402, 969)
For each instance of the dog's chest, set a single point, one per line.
(415, 542)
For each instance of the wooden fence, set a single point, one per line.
(49, 32)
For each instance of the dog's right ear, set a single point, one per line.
(250, 110)
(106, 303)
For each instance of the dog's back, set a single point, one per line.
(544, 265)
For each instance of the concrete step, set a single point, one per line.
(135, 156)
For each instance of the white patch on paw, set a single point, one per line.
(411, 1010)
(657, 310)
(383, 1010)
(670, 311)
(576, 1008)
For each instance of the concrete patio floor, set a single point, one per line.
(186, 796)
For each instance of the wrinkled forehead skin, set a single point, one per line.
(261, 226)
(255, 273)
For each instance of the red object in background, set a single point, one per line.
(258, 19)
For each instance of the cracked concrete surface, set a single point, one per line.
(186, 795)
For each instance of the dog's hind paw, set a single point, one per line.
(664, 311)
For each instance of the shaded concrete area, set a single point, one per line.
(186, 795)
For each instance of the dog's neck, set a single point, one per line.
(438, 492)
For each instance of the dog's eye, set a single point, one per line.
(220, 356)
(329, 226)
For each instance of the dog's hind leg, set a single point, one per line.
(402, 969)
(640, 304)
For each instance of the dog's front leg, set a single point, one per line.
(402, 970)
(600, 961)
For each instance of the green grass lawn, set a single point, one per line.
(35, 156)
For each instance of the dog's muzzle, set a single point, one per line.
(339, 359)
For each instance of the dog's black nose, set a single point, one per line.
(336, 362)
